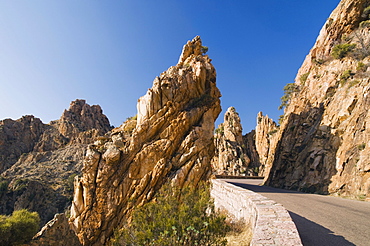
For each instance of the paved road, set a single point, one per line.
(320, 220)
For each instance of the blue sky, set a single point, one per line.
(108, 52)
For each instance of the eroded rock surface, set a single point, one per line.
(172, 139)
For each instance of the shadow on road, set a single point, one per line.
(314, 234)
(310, 232)
(264, 189)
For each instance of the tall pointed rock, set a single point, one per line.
(173, 139)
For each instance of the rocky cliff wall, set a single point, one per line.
(171, 139)
(323, 141)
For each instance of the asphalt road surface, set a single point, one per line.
(320, 220)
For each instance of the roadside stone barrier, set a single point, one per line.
(270, 221)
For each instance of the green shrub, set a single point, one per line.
(345, 76)
(19, 228)
(304, 78)
(289, 89)
(272, 132)
(132, 118)
(204, 50)
(185, 217)
(365, 24)
(361, 146)
(130, 124)
(341, 50)
(220, 130)
(366, 13)
(361, 67)
(281, 119)
(353, 83)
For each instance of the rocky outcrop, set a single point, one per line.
(18, 137)
(265, 142)
(172, 139)
(230, 155)
(56, 232)
(42, 159)
(323, 142)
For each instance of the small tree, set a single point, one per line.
(341, 50)
(204, 50)
(304, 78)
(185, 217)
(289, 89)
(19, 228)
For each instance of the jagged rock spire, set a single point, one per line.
(173, 139)
(193, 47)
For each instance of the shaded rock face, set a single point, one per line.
(249, 140)
(33, 196)
(265, 140)
(323, 143)
(18, 137)
(230, 155)
(173, 139)
(39, 160)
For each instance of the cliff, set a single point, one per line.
(322, 144)
(38, 161)
(323, 141)
(171, 138)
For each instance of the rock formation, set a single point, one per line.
(323, 142)
(230, 156)
(248, 155)
(39, 160)
(172, 139)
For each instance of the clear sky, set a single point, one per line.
(109, 51)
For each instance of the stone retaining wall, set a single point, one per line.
(270, 221)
